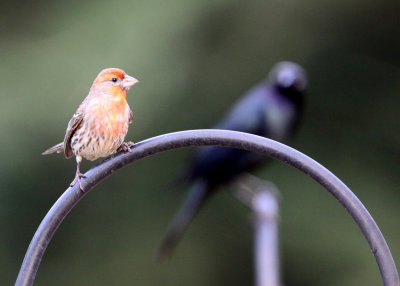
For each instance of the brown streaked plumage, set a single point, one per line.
(99, 125)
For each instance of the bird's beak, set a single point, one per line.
(128, 81)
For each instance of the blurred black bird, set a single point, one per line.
(271, 109)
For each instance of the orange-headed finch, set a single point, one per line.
(99, 125)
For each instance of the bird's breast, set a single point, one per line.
(109, 117)
(279, 118)
(103, 130)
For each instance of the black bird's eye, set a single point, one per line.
(114, 79)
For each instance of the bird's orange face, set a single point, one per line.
(114, 81)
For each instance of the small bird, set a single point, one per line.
(271, 109)
(99, 125)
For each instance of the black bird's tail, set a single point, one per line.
(196, 197)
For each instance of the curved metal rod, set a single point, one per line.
(223, 138)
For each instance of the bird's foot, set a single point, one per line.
(78, 177)
(126, 146)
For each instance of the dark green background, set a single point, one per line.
(193, 59)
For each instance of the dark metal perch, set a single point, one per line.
(224, 138)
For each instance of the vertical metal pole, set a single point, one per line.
(266, 249)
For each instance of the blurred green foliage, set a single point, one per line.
(193, 59)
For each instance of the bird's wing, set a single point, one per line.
(130, 116)
(247, 115)
(72, 126)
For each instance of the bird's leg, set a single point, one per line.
(78, 174)
(126, 146)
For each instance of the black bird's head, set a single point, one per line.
(289, 78)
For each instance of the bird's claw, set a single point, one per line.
(77, 178)
(126, 146)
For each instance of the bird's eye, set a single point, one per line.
(114, 79)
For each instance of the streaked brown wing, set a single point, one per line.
(130, 116)
(72, 126)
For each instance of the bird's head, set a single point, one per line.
(288, 77)
(114, 81)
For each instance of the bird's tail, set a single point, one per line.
(196, 197)
(57, 148)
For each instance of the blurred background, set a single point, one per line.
(193, 59)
